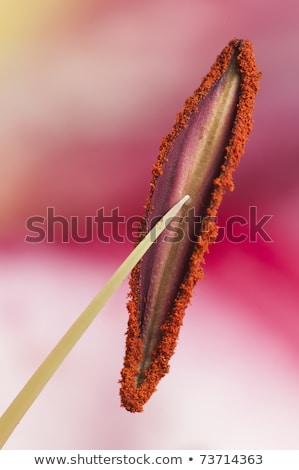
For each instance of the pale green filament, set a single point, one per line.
(39, 379)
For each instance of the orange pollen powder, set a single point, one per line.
(135, 393)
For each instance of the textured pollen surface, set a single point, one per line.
(136, 386)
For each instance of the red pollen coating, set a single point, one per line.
(162, 283)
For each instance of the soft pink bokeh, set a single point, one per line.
(85, 99)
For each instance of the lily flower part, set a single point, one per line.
(198, 158)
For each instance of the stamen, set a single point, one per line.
(198, 157)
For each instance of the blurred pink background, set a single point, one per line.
(87, 90)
